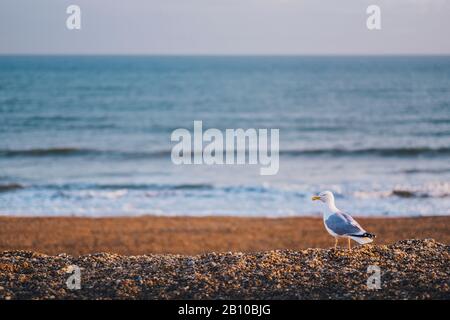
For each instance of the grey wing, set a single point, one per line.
(350, 219)
(343, 224)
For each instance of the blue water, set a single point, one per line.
(91, 135)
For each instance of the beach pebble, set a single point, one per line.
(410, 269)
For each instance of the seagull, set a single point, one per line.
(340, 224)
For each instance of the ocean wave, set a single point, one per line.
(10, 187)
(70, 151)
(199, 186)
(96, 194)
(384, 152)
(6, 187)
(92, 190)
(430, 190)
(335, 152)
(122, 190)
(432, 171)
(438, 121)
(151, 186)
(41, 152)
(122, 186)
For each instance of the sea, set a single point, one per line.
(90, 135)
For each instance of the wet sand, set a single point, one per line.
(196, 235)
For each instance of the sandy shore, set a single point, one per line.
(187, 235)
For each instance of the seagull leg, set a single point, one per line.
(349, 245)
(335, 243)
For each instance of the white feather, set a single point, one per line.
(364, 240)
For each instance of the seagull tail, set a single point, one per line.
(363, 238)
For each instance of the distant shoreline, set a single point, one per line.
(195, 235)
(227, 55)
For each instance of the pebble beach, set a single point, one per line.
(410, 269)
(220, 258)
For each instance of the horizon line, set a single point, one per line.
(235, 54)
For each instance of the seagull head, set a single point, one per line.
(325, 197)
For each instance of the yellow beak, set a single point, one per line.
(315, 198)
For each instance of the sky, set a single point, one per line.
(271, 27)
